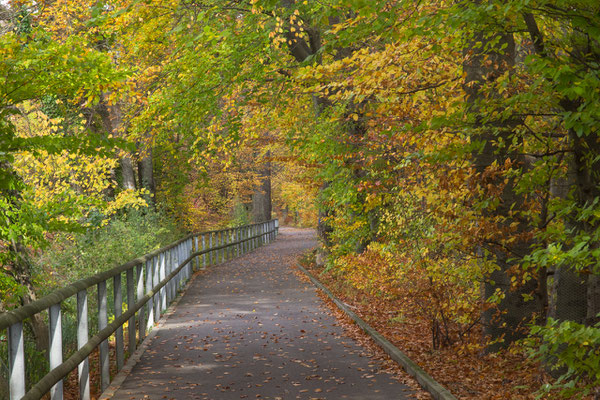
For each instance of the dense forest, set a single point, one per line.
(447, 152)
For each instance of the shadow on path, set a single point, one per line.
(251, 329)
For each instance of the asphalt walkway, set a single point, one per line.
(251, 329)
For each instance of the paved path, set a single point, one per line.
(250, 328)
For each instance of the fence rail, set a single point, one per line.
(159, 276)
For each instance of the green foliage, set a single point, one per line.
(240, 216)
(128, 235)
(570, 347)
(33, 68)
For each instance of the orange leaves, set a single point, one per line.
(462, 367)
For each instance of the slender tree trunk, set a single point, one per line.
(146, 173)
(112, 120)
(127, 173)
(261, 198)
(116, 122)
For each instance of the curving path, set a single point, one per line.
(251, 329)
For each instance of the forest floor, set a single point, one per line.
(251, 328)
(468, 374)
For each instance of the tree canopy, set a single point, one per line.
(447, 152)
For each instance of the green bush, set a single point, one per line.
(126, 236)
(240, 215)
(574, 350)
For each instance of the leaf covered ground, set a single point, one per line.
(467, 371)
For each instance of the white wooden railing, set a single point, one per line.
(152, 283)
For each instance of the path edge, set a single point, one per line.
(425, 380)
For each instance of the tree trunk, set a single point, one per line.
(127, 173)
(112, 120)
(116, 122)
(503, 323)
(568, 300)
(146, 173)
(261, 198)
(585, 167)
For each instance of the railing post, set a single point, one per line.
(16, 360)
(149, 275)
(221, 253)
(55, 355)
(172, 291)
(210, 246)
(167, 294)
(193, 249)
(243, 240)
(190, 250)
(276, 227)
(186, 254)
(118, 300)
(203, 248)
(177, 262)
(223, 243)
(251, 240)
(130, 303)
(173, 268)
(83, 368)
(156, 274)
(181, 271)
(161, 277)
(140, 294)
(196, 249)
(102, 323)
(217, 244)
(183, 257)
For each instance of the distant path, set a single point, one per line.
(250, 329)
